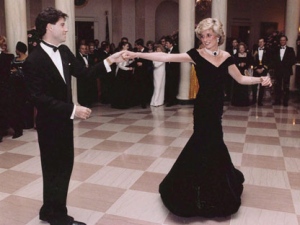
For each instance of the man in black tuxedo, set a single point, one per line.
(5, 64)
(261, 63)
(172, 75)
(143, 75)
(232, 49)
(82, 83)
(284, 59)
(105, 83)
(48, 71)
(234, 46)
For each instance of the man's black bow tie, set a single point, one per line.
(283, 47)
(85, 56)
(51, 46)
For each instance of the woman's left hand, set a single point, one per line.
(266, 81)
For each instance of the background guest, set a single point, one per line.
(243, 60)
(260, 68)
(172, 75)
(284, 59)
(122, 87)
(159, 79)
(18, 91)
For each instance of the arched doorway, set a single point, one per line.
(166, 19)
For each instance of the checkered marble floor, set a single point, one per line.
(121, 156)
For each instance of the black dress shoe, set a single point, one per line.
(77, 223)
(170, 104)
(259, 104)
(285, 104)
(276, 103)
(66, 220)
(144, 106)
(74, 222)
(17, 134)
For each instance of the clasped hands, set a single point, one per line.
(266, 81)
(121, 56)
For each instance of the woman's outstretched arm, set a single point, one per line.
(248, 80)
(159, 56)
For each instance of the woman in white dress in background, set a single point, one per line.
(159, 80)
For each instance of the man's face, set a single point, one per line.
(91, 48)
(58, 31)
(83, 49)
(168, 45)
(163, 42)
(282, 41)
(234, 43)
(261, 43)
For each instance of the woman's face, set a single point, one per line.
(209, 39)
(158, 49)
(242, 49)
(150, 46)
(126, 47)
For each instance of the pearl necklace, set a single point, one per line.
(213, 53)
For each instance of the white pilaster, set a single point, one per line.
(186, 42)
(16, 25)
(67, 6)
(291, 29)
(219, 11)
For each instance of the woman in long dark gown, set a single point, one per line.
(122, 93)
(203, 181)
(18, 96)
(240, 93)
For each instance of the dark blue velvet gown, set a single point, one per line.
(203, 181)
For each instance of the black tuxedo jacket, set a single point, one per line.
(5, 62)
(51, 95)
(173, 68)
(285, 65)
(231, 51)
(264, 63)
(146, 68)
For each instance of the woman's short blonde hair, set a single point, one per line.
(156, 46)
(215, 25)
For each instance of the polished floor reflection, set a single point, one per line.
(122, 156)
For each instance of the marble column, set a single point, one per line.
(219, 11)
(67, 6)
(292, 29)
(16, 25)
(186, 42)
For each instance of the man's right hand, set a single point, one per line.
(82, 112)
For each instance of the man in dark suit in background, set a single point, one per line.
(48, 71)
(5, 64)
(284, 59)
(261, 63)
(104, 84)
(143, 75)
(83, 84)
(172, 75)
(232, 49)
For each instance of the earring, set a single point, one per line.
(218, 39)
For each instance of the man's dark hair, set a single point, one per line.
(124, 39)
(281, 36)
(140, 42)
(104, 45)
(21, 47)
(49, 15)
(262, 38)
(170, 40)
